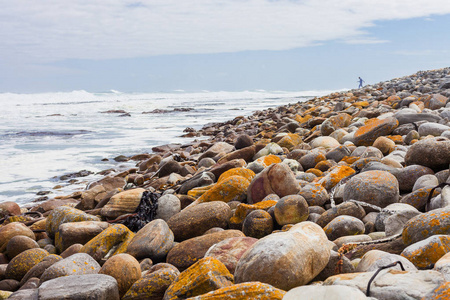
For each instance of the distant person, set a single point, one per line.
(360, 82)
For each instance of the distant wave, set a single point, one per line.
(47, 133)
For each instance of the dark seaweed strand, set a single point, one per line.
(430, 195)
(378, 271)
(144, 213)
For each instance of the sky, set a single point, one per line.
(217, 45)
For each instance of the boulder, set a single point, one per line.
(374, 259)
(291, 209)
(82, 232)
(11, 230)
(246, 290)
(18, 244)
(22, 263)
(230, 250)
(168, 206)
(90, 286)
(122, 203)
(343, 226)
(153, 241)
(374, 128)
(257, 224)
(39, 268)
(77, 264)
(314, 194)
(188, 252)
(427, 252)
(408, 175)
(317, 292)
(195, 220)
(124, 268)
(378, 188)
(431, 152)
(65, 214)
(206, 275)
(287, 259)
(233, 188)
(426, 225)
(275, 179)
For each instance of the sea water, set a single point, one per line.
(44, 136)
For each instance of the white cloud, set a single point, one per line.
(51, 30)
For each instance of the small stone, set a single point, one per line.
(384, 144)
(38, 269)
(346, 208)
(11, 230)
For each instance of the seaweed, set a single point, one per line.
(144, 213)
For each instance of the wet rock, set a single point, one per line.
(124, 268)
(195, 220)
(188, 252)
(280, 259)
(153, 241)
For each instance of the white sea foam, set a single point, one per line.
(46, 135)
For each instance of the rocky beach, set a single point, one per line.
(345, 196)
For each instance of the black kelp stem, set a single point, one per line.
(378, 271)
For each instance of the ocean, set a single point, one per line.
(45, 136)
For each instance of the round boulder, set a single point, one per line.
(431, 152)
(291, 209)
(124, 268)
(343, 226)
(19, 244)
(378, 188)
(257, 224)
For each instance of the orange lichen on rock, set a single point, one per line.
(112, 236)
(335, 175)
(246, 173)
(268, 160)
(372, 129)
(426, 253)
(243, 210)
(290, 140)
(301, 119)
(396, 139)
(314, 171)
(229, 189)
(207, 274)
(349, 159)
(361, 104)
(198, 191)
(441, 292)
(243, 291)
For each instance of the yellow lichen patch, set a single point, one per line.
(428, 252)
(335, 175)
(246, 173)
(301, 119)
(21, 219)
(229, 189)
(22, 263)
(112, 236)
(207, 274)
(314, 171)
(290, 140)
(349, 159)
(361, 104)
(269, 160)
(393, 98)
(396, 139)
(39, 225)
(198, 191)
(151, 286)
(243, 210)
(243, 291)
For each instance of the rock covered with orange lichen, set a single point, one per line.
(374, 128)
(243, 291)
(427, 252)
(208, 274)
(379, 188)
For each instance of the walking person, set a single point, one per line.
(360, 82)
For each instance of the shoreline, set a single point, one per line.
(328, 180)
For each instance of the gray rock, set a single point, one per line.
(343, 226)
(425, 181)
(374, 259)
(93, 286)
(431, 152)
(407, 176)
(168, 205)
(391, 284)
(432, 129)
(318, 292)
(404, 118)
(77, 264)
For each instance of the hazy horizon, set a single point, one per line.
(165, 46)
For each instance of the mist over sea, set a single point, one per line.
(44, 136)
